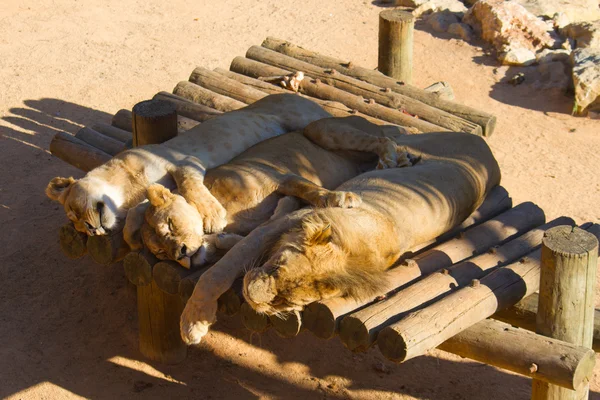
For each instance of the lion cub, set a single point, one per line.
(264, 182)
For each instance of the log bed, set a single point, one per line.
(478, 282)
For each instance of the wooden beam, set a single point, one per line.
(77, 152)
(206, 97)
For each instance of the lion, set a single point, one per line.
(98, 202)
(316, 254)
(264, 182)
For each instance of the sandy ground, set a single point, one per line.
(68, 328)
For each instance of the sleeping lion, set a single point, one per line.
(315, 254)
(98, 202)
(265, 181)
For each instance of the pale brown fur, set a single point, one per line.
(251, 188)
(343, 252)
(99, 201)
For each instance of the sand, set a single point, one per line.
(68, 328)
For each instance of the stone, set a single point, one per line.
(547, 55)
(517, 57)
(586, 78)
(585, 34)
(454, 6)
(410, 3)
(441, 20)
(508, 26)
(554, 75)
(461, 30)
(574, 10)
(560, 20)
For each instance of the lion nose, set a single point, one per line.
(182, 252)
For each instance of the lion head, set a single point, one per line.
(91, 203)
(309, 264)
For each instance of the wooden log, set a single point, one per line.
(138, 267)
(229, 303)
(200, 95)
(395, 55)
(123, 118)
(316, 88)
(77, 152)
(334, 108)
(323, 318)
(566, 301)
(523, 315)
(252, 320)
(523, 352)
(287, 326)
(107, 249)
(72, 242)
(187, 108)
(359, 330)
(113, 132)
(100, 141)
(158, 317)
(154, 122)
(366, 90)
(486, 120)
(422, 330)
(442, 90)
(223, 85)
(168, 276)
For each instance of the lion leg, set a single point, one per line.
(190, 183)
(285, 205)
(331, 134)
(315, 195)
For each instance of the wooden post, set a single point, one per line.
(72, 242)
(154, 121)
(396, 44)
(158, 318)
(566, 301)
(107, 249)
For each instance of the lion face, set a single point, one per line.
(173, 228)
(90, 203)
(301, 270)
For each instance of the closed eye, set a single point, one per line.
(89, 226)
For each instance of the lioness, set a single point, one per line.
(314, 254)
(99, 201)
(252, 187)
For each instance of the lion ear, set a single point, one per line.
(58, 188)
(159, 195)
(319, 235)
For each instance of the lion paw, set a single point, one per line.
(341, 199)
(397, 159)
(213, 217)
(195, 321)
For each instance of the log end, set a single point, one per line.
(354, 334)
(230, 302)
(392, 345)
(100, 249)
(252, 320)
(585, 370)
(319, 319)
(138, 268)
(153, 109)
(167, 276)
(287, 326)
(72, 242)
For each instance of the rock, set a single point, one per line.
(517, 79)
(585, 34)
(560, 20)
(461, 30)
(575, 10)
(547, 55)
(410, 3)
(454, 6)
(586, 78)
(554, 75)
(508, 26)
(443, 90)
(441, 20)
(517, 57)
